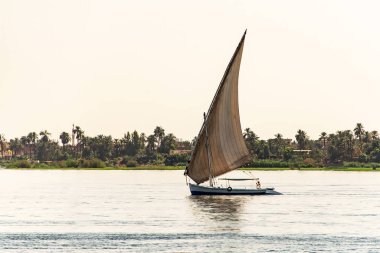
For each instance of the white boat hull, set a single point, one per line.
(206, 190)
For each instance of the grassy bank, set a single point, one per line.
(156, 167)
(315, 169)
(153, 167)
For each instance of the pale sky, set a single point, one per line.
(115, 66)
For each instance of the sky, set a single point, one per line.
(116, 66)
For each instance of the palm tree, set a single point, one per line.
(159, 134)
(359, 131)
(136, 145)
(79, 135)
(323, 137)
(263, 151)
(301, 138)
(44, 136)
(2, 144)
(246, 132)
(167, 144)
(117, 148)
(251, 140)
(32, 139)
(43, 146)
(142, 140)
(349, 140)
(102, 146)
(367, 137)
(249, 135)
(24, 142)
(29, 144)
(374, 135)
(15, 146)
(332, 150)
(12, 146)
(279, 144)
(65, 138)
(127, 143)
(151, 144)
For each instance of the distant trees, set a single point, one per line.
(288, 154)
(78, 133)
(101, 147)
(341, 146)
(335, 148)
(374, 135)
(357, 145)
(263, 151)
(251, 140)
(135, 143)
(167, 143)
(278, 146)
(323, 138)
(359, 131)
(47, 150)
(301, 138)
(2, 144)
(79, 136)
(15, 146)
(159, 134)
(151, 145)
(65, 139)
(32, 139)
(44, 136)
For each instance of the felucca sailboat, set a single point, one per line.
(220, 145)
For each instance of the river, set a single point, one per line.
(152, 211)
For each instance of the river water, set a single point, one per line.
(152, 211)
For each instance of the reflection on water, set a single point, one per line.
(222, 213)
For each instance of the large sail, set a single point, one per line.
(226, 147)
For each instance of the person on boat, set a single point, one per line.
(258, 185)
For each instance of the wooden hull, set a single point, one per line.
(204, 190)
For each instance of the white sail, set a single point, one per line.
(221, 130)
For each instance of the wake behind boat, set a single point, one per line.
(220, 145)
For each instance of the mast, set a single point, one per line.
(208, 152)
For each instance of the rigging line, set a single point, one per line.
(249, 174)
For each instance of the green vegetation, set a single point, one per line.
(158, 167)
(133, 150)
(344, 150)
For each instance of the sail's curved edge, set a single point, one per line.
(226, 144)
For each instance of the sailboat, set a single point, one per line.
(220, 146)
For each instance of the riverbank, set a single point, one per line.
(182, 168)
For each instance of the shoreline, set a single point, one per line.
(147, 168)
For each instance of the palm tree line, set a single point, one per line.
(357, 145)
(77, 145)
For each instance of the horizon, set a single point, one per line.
(123, 66)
